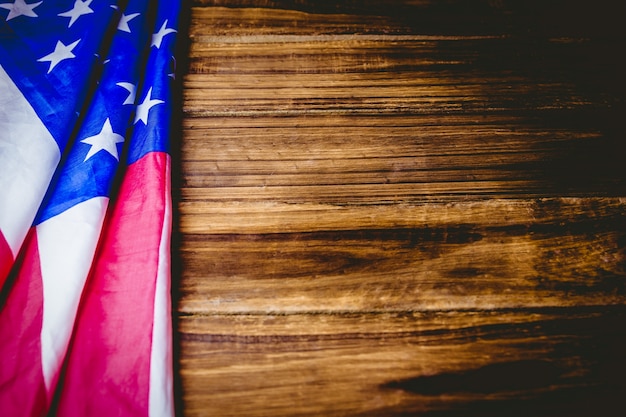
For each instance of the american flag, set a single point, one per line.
(85, 207)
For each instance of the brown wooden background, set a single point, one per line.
(404, 207)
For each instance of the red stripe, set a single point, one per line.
(22, 387)
(109, 364)
(6, 259)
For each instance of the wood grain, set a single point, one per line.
(402, 208)
(491, 254)
(517, 363)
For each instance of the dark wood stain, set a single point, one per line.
(491, 378)
(402, 208)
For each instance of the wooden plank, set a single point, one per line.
(344, 160)
(572, 18)
(491, 254)
(266, 217)
(487, 363)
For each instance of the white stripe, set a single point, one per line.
(161, 384)
(67, 243)
(28, 157)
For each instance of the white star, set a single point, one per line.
(123, 24)
(131, 92)
(80, 8)
(145, 106)
(60, 53)
(20, 8)
(157, 38)
(106, 140)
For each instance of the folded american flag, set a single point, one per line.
(85, 207)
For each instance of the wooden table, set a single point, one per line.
(392, 208)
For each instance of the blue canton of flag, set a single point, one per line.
(85, 208)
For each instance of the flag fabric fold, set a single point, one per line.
(85, 207)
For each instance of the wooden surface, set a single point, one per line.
(392, 208)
